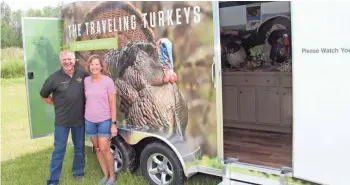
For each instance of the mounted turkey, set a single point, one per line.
(148, 102)
(275, 33)
(272, 40)
(233, 49)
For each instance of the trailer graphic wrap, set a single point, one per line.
(160, 56)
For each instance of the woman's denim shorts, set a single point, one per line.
(101, 129)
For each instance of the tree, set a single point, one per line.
(5, 12)
(33, 13)
(11, 22)
(16, 25)
(51, 11)
(6, 33)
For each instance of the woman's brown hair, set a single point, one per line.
(102, 63)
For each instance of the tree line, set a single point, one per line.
(11, 22)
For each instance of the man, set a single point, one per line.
(67, 89)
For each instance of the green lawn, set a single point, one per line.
(25, 161)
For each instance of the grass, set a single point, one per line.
(15, 133)
(11, 53)
(25, 161)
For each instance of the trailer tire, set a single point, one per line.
(147, 161)
(127, 155)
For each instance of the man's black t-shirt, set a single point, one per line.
(67, 95)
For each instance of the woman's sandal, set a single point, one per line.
(111, 182)
(103, 180)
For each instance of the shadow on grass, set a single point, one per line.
(204, 179)
(34, 169)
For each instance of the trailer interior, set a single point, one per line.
(257, 82)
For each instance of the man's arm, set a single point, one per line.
(46, 90)
(48, 100)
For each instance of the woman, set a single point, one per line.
(100, 115)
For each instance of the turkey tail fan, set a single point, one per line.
(110, 10)
(283, 22)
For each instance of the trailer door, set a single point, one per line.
(321, 92)
(41, 45)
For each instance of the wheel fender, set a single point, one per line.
(133, 137)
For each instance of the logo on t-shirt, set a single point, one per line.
(79, 79)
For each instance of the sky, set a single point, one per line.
(25, 5)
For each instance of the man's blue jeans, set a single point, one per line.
(61, 137)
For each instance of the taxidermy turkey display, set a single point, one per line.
(233, 49)
(269, 46)
(146, 85)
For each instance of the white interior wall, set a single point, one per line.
(230, 16)
(275, 7)
(236, 15)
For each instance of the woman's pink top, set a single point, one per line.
(97, 108)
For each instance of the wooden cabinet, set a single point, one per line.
(287, 104)
(230, 109)
(260, 101)
(247, 104)
(269, 105)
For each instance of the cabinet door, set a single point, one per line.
(287, 106)
(269, 106)
(230, 103)
(247, 104)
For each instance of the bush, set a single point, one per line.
(12, 69)
(12, 63)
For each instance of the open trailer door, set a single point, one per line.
(321, 92)
(41, 45)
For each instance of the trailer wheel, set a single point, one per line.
(124, 155)
(160, 165)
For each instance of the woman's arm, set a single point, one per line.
(112, 97)
(113, 104)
